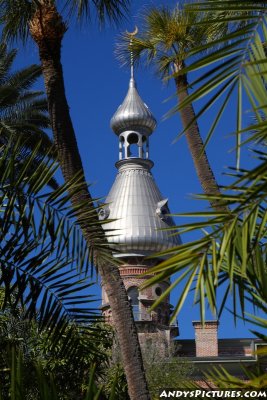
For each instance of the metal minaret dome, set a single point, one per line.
(133, 114)
(138, 211)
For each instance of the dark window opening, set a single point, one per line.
(132, 138)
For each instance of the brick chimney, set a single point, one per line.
(206, 338)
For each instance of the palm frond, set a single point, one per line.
(23, 79)
(234, 60)
(44, 259)
(16, 386)
(224, 380)
(23, 112)
(232, 253)
(14, 17)
(6, 62)
(166, 37)
(111, 10)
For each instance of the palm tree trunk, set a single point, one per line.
(47, 29)
(195, 143)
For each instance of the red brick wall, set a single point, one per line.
(206, 338)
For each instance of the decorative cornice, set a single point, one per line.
(130, 164)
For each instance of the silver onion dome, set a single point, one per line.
(133, 114)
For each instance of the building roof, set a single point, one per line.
(228, 348)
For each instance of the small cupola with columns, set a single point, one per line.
(133, 122)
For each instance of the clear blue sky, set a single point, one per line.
(95, 86)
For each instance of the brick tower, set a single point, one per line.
(138, 213)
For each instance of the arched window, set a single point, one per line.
(133, 295)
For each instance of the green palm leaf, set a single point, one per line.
(43, 258)
(243, 55)
(46, 387)
(231, 254)
(15, 18)
(23, 112)
(112, 10)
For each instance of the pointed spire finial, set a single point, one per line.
(132, 34)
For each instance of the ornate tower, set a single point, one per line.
(139, 213)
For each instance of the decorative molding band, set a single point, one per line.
(132, 270)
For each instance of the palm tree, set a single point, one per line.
(167, 37)
(42, 20)
(38, 270)
(231, 255)
(44, 269)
